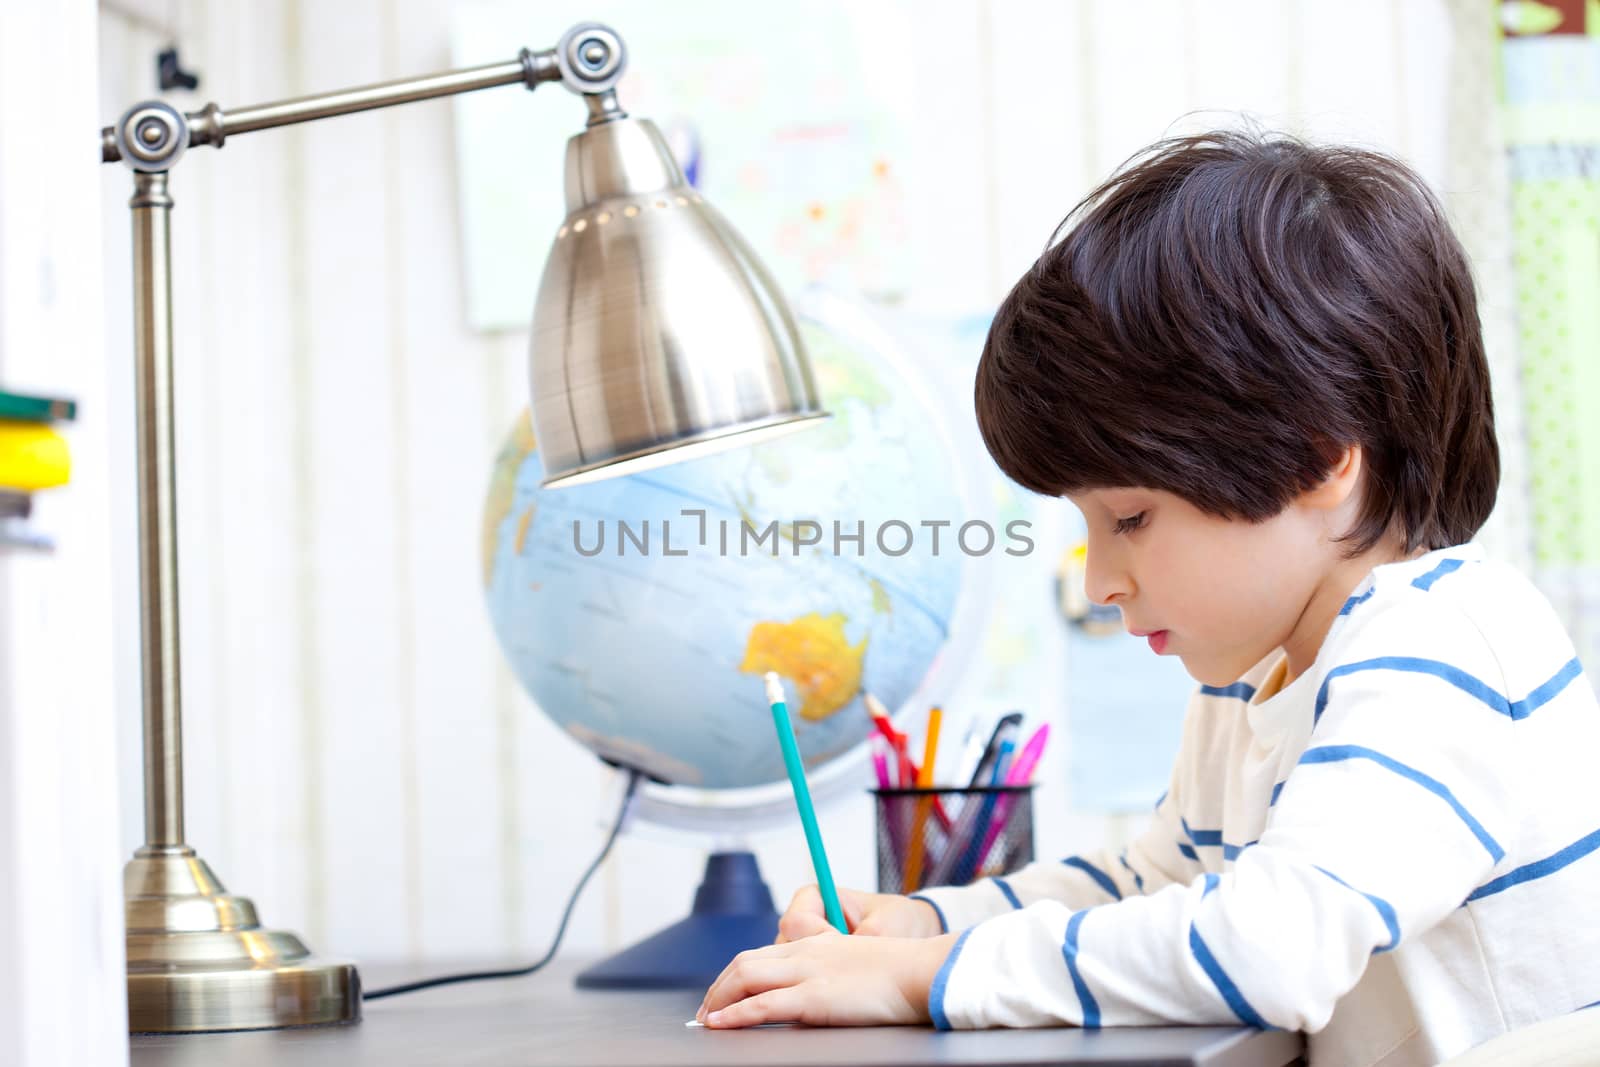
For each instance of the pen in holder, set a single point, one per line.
(990, 832)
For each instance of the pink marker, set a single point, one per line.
(1020, 772)
(1022, 769)
(880, 762)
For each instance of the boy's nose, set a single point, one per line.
(1104, 582)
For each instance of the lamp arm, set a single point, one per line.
(211, 124)
(151, 136)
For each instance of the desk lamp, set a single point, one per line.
(657, 335)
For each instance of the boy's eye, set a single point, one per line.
(1129, 524)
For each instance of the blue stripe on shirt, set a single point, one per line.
(941, 980)
(1209, 839)
(1101, 877)
(1356, 601)
(1187, 852)
(1459, 678)
(1211, 883)
(1069, 952)
(1009, 893)
(944, 926)
(1548, 691)
(1230, 992)
(1529, 872)
(1415, 665)
(1449, 566)
(1138, 882)
(1241, 690)
(1340, 753)
(1385, 911)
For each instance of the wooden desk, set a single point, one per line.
(544, 1020)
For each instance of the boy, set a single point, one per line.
(1255, 366)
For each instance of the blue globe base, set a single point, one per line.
(732, 912)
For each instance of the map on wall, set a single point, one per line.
(789, 119)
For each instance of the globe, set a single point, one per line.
(641, 612)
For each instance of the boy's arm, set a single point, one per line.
(1386, 825)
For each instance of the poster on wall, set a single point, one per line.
(803, 156)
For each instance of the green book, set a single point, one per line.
(36, 408)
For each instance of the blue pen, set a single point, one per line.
(971, 857)
(802, 800)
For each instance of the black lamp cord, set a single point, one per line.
(634, 777)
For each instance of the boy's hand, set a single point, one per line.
(828, 980)
(875, 914)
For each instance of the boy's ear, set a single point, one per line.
(1341, 483)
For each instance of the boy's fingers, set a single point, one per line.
(798, 924)
(747, 976)
(773, 1006)
(731, 975)
(809, 898)
(805, 916)
(806, 898)
(853, 905)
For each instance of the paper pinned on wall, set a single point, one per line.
(789, 118)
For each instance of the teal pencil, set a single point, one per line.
(802, 800)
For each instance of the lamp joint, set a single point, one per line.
(151, 136)
(539, 67)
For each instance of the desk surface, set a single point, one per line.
(544, 1019)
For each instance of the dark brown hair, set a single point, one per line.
(1229, 312)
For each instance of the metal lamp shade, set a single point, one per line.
(657, 335)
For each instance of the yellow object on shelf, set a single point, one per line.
(32, 456)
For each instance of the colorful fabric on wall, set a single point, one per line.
(1550, 63)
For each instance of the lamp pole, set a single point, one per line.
(198, 959)
(158, 512)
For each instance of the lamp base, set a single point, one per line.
(198, 960)
(732, 912)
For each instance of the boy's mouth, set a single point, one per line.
(1157, 639)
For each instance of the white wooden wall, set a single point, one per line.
(62, 999)
(358, 759)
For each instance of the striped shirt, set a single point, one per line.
(1398, 852)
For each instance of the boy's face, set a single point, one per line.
(1219, 594)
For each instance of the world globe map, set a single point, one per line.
(641, 612)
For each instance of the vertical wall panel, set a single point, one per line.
(62, 990)
(1139, 61)
(364, 701)
(448, 372)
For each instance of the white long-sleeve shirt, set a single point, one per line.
(1398, 852)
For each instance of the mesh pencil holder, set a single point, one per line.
(929, 837)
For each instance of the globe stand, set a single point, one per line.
(732, 912)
